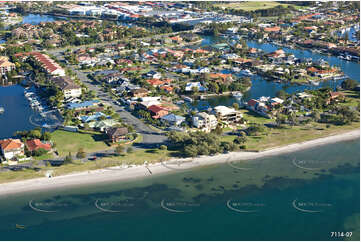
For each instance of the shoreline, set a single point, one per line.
(119, 173)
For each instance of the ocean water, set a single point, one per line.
(304, 195)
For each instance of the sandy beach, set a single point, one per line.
(125, 173)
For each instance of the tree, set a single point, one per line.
(235, 106)
(81, 154)
(163, 147)
(130, 150)
(191, 151)
(35, 134)
(68, 158)
(39, 152)
(219, 130)
(240, 139)
(349, 84)
(46, 136)
(119, 149)
(316, 116)
(281, 94)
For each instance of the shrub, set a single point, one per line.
(119, 150)
(163, 147)
(39, 152)
(130, 150)
(81, 154)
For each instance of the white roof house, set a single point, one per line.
(191, 85)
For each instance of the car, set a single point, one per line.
(92, 158)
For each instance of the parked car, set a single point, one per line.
(92, 158)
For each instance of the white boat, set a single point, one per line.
(348, 57)
(246, 72)
(237, 94)
(314, 83)
(2, 110)
(188, 99)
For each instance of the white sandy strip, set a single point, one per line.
(118, 173)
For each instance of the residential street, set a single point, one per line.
(151, 138)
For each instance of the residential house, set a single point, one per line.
(5, 65)
(67, 86)
(35, 144)
(140, 92)
(190, 86)
(89, 118)
(204, 121)
(228, 115)
(103, 124)
(86, 105)
(10, 148)
(48, 64)
(172, 119)
(157, 111)
(219, 77)
(116, 134)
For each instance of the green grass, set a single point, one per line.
(71, 141)
(228, 138)
(296, 134)
(250, 6)
(252, 117)
(135, 158)
(12, 176)
(46, 156)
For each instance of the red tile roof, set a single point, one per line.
(36, 144)
(10, 144)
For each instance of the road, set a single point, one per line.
(151, 138)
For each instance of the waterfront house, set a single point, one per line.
(86, 105)
(67, 86)
(5, 65)
(35, 144)
(48, 64)
(227, 115)
(116, 134)
(204, 121)
(191, 86)
(11, 148)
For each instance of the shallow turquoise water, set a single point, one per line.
(192, 205)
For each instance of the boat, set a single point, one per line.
(19, 226)
(246, 72)
(315, 83)
(348, 57)
(2, 110)
(237, 94)
(188, 99)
